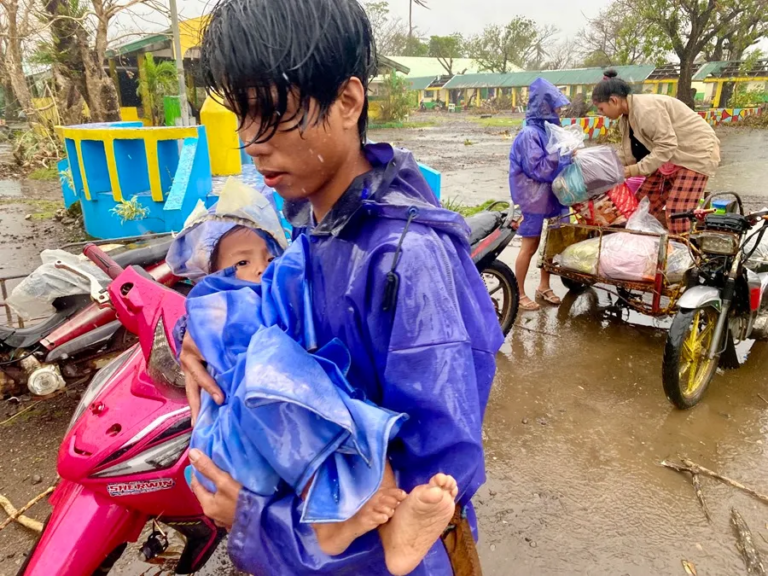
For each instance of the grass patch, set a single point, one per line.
(406, 125)
(45, 174)
(501, 122)
(455, 206)
(41, 209)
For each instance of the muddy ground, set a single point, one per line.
(473, 155)
(577, 422)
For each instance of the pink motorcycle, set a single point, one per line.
(123, 457)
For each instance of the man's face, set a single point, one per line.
(297, 163)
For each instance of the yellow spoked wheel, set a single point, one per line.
(687, 370)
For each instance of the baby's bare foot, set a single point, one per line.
(335, 538)
(418, 523)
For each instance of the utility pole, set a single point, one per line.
(183, 105)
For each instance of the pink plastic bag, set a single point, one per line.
(634, 183)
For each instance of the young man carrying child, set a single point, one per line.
(390, 275)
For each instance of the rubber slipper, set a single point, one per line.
(549, 297)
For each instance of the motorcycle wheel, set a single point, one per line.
(686, 370)
(501, 284)
(573, 286)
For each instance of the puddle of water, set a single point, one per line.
(10, 188)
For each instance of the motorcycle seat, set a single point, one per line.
(28, 336)
(482, 224)
(145, 255)
(66, 306)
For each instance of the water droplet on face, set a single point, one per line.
(319, 157)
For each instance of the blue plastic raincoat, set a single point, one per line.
(531, 168)
(422, 334)
(289, 416)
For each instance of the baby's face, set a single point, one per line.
(247, 251)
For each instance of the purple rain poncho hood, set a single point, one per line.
(531, 168)
(391, 277)
(280, 390)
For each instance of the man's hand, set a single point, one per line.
(627, 172)
(196, 376)
(221, 506)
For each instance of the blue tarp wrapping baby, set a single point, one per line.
(289, 412)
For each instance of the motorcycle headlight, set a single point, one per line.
(157, 457)
(100, 380)
(717, 243)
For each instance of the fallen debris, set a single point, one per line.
(689, 568)
(700, 495)
(17, 515)
(693, 468)
(746, 545)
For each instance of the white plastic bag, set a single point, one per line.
(564, 140)
(33, 297)
(633, 257)
(758, 261)
(600, 168)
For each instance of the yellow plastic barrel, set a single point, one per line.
(223, 143)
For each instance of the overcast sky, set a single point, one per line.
(444, 16)
(465, 16)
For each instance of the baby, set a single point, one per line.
(408, 524)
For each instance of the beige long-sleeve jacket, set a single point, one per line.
(672, 132)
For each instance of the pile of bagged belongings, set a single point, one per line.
(592, 180)
(625, 256)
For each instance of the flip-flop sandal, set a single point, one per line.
(528, 304)
(549, 297)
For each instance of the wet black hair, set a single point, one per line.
(213, 261)
(255, 53)
(610, 85)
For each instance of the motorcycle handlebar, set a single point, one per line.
(680, 215)
(102, 260)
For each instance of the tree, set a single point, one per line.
(395, 104)
(734, 42)
(562, 55)
(423, 4)
(158, 79)
(519, 43)
(689, 26)
(617, 37)
(16, 28)
(390, 32)
(62, 52)
(445, 49)
(409, 46)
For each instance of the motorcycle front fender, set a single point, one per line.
(83, 529)
(700, 297)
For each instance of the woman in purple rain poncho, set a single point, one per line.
(531, 173)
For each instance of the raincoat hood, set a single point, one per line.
(392, 189)
(238, 204)
(543, 99)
